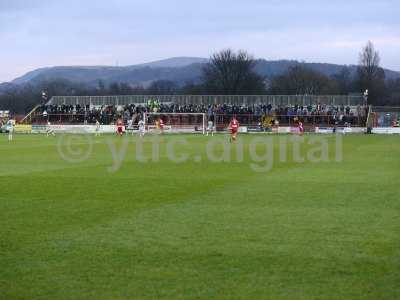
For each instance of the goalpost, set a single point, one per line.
(177, 122)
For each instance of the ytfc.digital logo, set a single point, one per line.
(259, 152)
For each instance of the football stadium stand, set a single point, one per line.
(250, 110)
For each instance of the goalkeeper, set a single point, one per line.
(210, 127)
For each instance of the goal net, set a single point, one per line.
(177, 122)
(384, 117)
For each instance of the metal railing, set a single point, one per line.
(275, 100)
(220, 120)
(320, 120)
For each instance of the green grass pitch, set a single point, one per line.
(198, 229)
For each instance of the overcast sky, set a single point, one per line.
(38, 33)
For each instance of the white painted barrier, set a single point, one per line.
(386, 130)
(83, 128)
(112, 129)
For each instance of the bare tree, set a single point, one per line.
(232, 73)
(371, 76)
(300, 80)
(369, 61)
(160, 87)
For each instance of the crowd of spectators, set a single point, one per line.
(247, 114)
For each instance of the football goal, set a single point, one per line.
(177, 122)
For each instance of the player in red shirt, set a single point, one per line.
(120, 125)
(301, 128)
(234, 126)
(161, 126)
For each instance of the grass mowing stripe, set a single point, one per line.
(162, 230)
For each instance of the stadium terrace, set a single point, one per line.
(252, 111)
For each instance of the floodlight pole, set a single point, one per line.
(366, 97)
(44, 96)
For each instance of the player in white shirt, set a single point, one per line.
(130, 126)
(210, 128)
(10, 128)
(347, 129)
(97, 128)
(141, 128)
(49, 130)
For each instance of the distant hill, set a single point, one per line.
(174, 62)
(175, 69)
(279, 67)
(7, 86)
(178, 69)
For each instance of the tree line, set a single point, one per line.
(231, 73)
